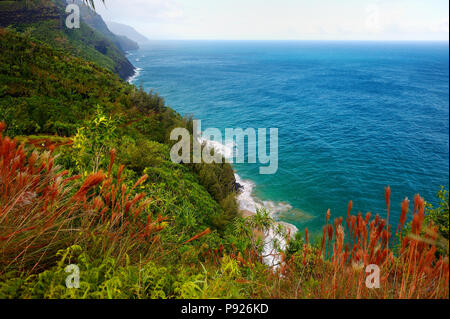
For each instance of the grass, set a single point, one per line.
(43, 210)
(409, 266)
(172, 233)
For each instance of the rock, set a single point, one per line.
(237, 186)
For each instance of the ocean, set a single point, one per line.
(352, 117)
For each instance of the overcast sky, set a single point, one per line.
(283, 19)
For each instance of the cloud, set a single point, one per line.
(373, 18)
(282, 19)
(141, 10)
(441, 26)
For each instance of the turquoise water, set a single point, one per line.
(353, 117)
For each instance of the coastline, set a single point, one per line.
(246, 199)
(248, 206)
(137, 71)
(248, 203)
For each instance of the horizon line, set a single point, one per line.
(301, 40)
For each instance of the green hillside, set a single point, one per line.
(50, 96)
(86, 179)
(44, 20)
(95, 21)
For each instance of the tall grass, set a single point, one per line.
(36, 210)
(43, 210)
(409, 265)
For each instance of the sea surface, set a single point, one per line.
(352, 117)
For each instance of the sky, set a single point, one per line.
(282, 19)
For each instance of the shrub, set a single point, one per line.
(42, 210)
(439, 215)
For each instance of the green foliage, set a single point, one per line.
(439, 215)
(261, 220)
(100, 278)
(48, 96)
(219, 181)
(181, 195)
(43, 20)
(49, 91)
(147, 102)
(220, 284)
(93, 142)
(140, 154)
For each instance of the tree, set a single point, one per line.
(94, 141)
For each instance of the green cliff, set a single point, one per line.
(45, 20)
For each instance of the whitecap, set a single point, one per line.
(136, 74)
(245, 198)
(227, 150)
(274, 240)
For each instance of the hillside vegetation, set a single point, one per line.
(45, 19)
(86, 179)
(95, 21)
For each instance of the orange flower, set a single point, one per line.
(112, 157)
(90, 182)
(387, 197)
(405, 207)
(347, 220)
(416, 202)
(203, 233)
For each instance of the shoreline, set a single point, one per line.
(248, 205)
(246, 199)
(137, 72)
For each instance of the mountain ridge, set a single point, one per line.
(96, 22)
(128, 31)
(45, 20)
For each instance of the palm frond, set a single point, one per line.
(91, 3)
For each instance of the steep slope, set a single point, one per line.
(23, 12)
(129, 32)
(95, 21)
(126, 44)
(44, 20)
(163, 235)
(46, 91)
(41, 87)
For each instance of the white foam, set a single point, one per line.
(227, 150)
(276, 207)
(245, 198)
(247, 201)
(274, 240)
(133, 77)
